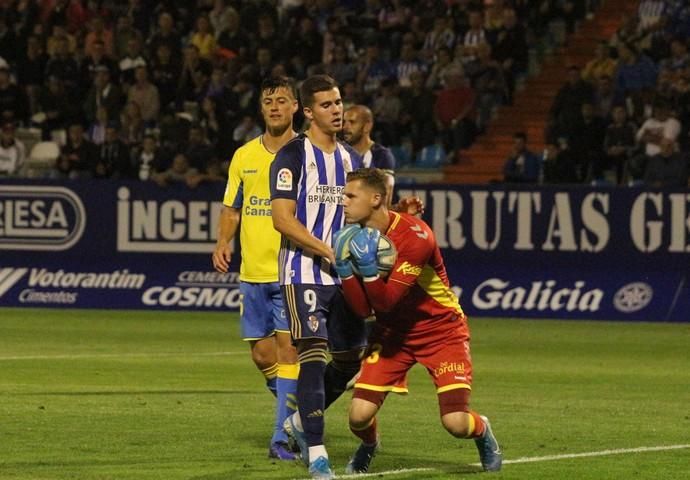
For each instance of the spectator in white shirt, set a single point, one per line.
(12, 152)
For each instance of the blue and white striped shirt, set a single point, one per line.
(315, 180)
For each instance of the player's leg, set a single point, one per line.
(451, 369)
(307, 307)
(347, 337)
(362, 418)
(288, 370)
(257, 328)
(384, 370)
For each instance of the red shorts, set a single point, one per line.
(446, 358)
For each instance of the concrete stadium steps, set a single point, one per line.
(483, 161)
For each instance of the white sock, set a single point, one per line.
(317, 451)
(297, 420)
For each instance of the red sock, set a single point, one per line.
(477, 425)
(368, 434)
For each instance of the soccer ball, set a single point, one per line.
(386, 255)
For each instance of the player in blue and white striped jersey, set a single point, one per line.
(307, 178)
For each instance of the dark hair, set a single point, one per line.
(520, 135)
(315, 84)
(274, 83)
(373, 178)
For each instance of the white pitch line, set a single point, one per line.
(600, 453)
(385, 473)
(78, 356)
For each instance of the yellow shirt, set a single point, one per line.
(249, 191)
(206, 44)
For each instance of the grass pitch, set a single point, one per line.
(159, 395)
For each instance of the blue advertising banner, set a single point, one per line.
(580, 253)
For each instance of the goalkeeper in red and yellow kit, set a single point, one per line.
(418, 319)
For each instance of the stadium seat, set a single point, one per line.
(402, 156)
(431, 156)
(28, 136)
(41, 159)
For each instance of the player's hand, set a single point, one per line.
(363, 249)
(341, 249)
(221, 258)
(412, 205)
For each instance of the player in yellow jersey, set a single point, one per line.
(247, 196)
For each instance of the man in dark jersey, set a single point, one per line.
(357, 126)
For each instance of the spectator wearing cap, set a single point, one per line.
(144, 94)
(12, 152)
(103, 93)
(13, 102)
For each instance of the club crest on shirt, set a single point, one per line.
(347, 165)
(313, 323)
(284, 179)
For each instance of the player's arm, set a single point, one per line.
(230, 215)
(411, 205)
(285, 222)
(285, 175)
(227, 228)
(356, 297)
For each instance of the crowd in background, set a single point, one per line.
(624, 117)
(168, 89)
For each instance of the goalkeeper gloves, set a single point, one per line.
(363, 249)
(341, 249)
